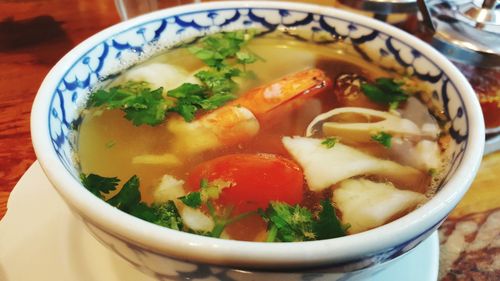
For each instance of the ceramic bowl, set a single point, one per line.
(173, 255)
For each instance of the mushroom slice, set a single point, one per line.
(377, 121)
(366, 204)
(325, 166)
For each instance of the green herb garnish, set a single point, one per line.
(288, 223)
(192, 199)
(167, 215)
(214, 50)
(329, 142)
(129, 195)
(141, 104)
(328, 225)
(385, 91)
(218, 51)
(383, 138)
(128, 199)
(99, 186)
(210, 191)
(110, 144)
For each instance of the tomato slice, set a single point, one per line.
(256, 179)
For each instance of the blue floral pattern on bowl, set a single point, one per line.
(116, 51)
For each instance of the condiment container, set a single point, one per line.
(468, 33)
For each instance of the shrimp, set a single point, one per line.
(241, 119)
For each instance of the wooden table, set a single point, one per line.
(35, 34)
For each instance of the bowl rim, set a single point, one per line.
(270, 256)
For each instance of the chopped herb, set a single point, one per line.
(189, 98)
(218, 86)
(192, 199)
(143, 211)
(383, 138)
(329, 142)
(210, 191)
(288, 223)
(215, 49)
(167, 215)
(110, 144)
(246, 57)
(141, 104)
(99, 185)
(128, 197)
(385, 91)
(218, 82)
(328, 225)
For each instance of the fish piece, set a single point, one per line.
(196, 220)
(366, 204)
(169, 188)
(324, 167)
(158, 75)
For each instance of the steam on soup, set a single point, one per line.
(261, 138)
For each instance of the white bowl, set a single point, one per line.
(167, 253)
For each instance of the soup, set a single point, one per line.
(262, 138)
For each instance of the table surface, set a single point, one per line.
(35, 34)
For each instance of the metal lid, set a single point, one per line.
(383, 7)
(467, 32)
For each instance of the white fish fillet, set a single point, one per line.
(365, 204)
(324, 167)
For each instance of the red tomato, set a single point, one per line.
(256, 179)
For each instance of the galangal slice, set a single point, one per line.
(375, 121)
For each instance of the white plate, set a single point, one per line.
(41, 241)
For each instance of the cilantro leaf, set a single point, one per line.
(219, 82)
(143, 211)
(99, 185)
(192, 199)
(147, 109)
(189, 99)
(329, 142)
(383, 138)
(128, 200)
(167, 215)
(143, 105)
(385, 91)
(328, 225)
(288, 223)
(246, 57)
(129, 195)
(214, 49)
(140, 104)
